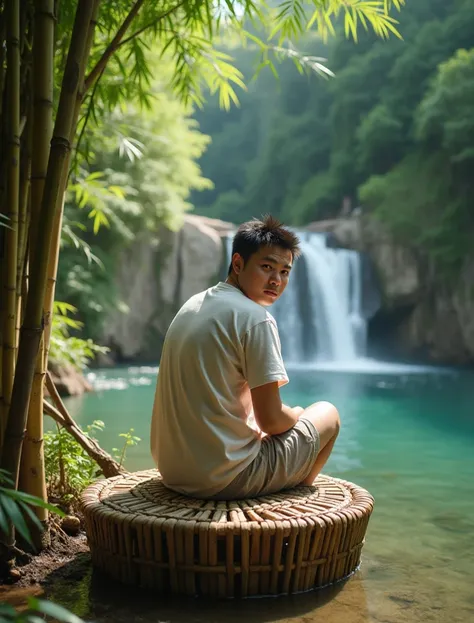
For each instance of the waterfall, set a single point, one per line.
(319, 315)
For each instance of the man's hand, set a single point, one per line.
(271, 415)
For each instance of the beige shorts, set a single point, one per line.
(282, 463)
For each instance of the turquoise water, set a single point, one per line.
(408, 438)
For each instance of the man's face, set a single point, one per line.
(264, 276)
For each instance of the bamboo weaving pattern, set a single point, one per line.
(144, 534)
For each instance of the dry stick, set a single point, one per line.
(107, 464)
(32, 328)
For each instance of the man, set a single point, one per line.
(221, 367)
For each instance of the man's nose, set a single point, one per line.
(275, 279)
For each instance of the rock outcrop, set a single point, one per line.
(417, 317)
(420, 315)
(155, 276)
(68, 380)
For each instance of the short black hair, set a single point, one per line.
(268, 231)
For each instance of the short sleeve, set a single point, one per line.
(262, 352)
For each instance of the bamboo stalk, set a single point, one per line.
(53, 260)
(32, 476)
(2, 63)
(12, 197)
(32, 328)
(32, 466)
(51, 283)
(2, 211)
(43, 84)
(23, 218)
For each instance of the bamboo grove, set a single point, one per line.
(54, 61)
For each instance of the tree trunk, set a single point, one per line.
(12, 196)
(32, 328)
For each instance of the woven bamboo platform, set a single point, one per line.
(144, 534)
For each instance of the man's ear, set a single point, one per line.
(237, 263)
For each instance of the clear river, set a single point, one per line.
(407, 436)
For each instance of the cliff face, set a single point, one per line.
(416, 316)
(420, 316)
(155, 276)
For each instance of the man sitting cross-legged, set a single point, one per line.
(221, 368)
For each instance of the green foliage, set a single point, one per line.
(379, 141)
(134, 166)
(444, 118)
(66, 348)
(15, 509)
(390, 131)
(132, 175)
(69, 469)
(417, 200)
(426, 199)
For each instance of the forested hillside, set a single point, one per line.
(393, 131)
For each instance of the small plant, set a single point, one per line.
(69, 469)
(130, 440)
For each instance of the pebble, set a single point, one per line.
(71, 525)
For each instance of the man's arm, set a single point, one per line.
(271, 415)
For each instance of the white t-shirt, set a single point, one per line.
(220, 345)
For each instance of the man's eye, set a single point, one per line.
(285, 272)
(266, 266)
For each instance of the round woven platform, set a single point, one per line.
(144, 534)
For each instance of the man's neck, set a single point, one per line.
(233, 280)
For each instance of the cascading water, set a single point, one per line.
(319, 316)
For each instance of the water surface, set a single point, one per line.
(407, 436)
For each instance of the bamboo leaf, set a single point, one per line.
(94, 176)
(3, 521)
(27, 509)
(5, 477)
(53, 610)
(7, 611)
(13, 512)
